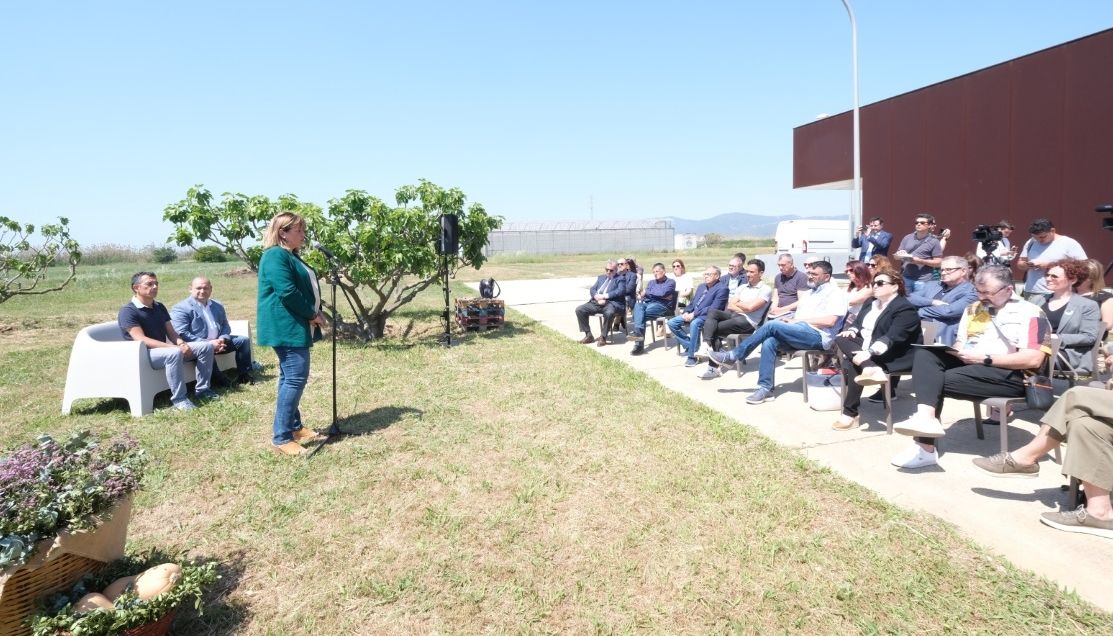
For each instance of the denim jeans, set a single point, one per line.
(911, 285)
(242, 346)
(687, 334)
(293, 372)
(645, 312)
(796, 336)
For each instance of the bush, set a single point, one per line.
(210, 254)
(165, 254)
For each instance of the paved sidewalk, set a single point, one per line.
(1002, 514)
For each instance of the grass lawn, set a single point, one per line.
(515, 483)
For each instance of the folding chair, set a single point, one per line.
(1003, 404)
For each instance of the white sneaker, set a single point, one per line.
(711, 373)
(915, 457)
(920, 425)
(872, 375)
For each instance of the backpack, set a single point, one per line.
(488, 288)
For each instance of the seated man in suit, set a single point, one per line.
(813, 326)
(146, 320)
(1083, 416)
(199, 318)
(608, 297)
(712, 294)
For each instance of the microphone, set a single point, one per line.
(324, 250)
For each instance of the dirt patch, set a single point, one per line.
(239, 272)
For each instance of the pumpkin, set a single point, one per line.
(157, 580)
(91, 602)
(117, 587)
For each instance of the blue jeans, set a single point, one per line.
(911, 285)
(796, 336)
(242, 346)
(687, 334)
(644, 312)
(293, 372)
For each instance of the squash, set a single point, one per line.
(157, 580)
(91, 602)
(116, 588)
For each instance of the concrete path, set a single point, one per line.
(1002, 514)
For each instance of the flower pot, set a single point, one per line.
(57, 564)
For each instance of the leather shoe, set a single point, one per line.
(307, 435)
(587, 339)
(600, 341)
(289, 449)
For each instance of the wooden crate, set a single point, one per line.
(480, 313)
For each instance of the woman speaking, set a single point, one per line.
(288, 304)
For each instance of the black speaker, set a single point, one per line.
(449, 243)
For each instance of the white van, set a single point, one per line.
(828, 239)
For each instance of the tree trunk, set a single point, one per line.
(377, 323)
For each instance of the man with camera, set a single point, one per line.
(872, 239)
(994, 246)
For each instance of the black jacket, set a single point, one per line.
(899, 327)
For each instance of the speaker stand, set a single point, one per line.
(446, 338)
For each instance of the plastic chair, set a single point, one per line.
(1003, 405)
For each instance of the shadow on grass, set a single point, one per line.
(362, 424)
(222, 615)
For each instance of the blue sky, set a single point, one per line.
(110, 111)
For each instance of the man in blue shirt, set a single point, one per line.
(658, 299)
(712, 294)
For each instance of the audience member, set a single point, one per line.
(1042, 250)
(608, 297)
(200, 317)
(812, 327)
(736, 274)
(684, 286)
(656, 300)
(1092, 286)
(999, 338)
(1083, 417)
(920, 253)
(944, 301)
(744, 312)
(877, 345)
(872, 239)
(860, 289)
(146, 320)
(1076, 320)
(788, 284)
(880, 264)
(712, 294)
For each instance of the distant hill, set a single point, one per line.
(736, 224)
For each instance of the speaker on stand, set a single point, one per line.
(448, 246)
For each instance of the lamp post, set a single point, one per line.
(856, 190)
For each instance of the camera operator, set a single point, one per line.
(1004, 251)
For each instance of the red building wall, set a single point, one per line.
(1029, 138)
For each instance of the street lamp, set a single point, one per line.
(856, 191)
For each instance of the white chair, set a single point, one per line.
(104, 365)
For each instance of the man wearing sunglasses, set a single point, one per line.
(1045, 248)
(608, 297)
(920, 253)
(999, 339)
(812, 327)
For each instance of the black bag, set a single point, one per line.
(488, 287)
(1038, 392)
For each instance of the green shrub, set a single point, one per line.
(165, 254)
(210, 254)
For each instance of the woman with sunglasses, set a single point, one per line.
(860, 289)
(879, 343)
(1075, 319)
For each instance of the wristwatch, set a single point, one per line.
(988, 361)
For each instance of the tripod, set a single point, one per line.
(446, 338)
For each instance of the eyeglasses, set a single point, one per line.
(882, 283)
(1056, 276)
(923, 222)
(871, 264)
(708, 274)
(989, 294)
(610, 269)
(951, 269)
(677, 265)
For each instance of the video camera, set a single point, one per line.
(986, 234)
(1107, 222)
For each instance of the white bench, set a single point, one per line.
(104, 365)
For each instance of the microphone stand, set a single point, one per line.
(333, 431)
(446, 339)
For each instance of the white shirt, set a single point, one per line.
(825, 300)
(207, 313)
(747, 293)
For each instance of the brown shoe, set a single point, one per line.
(291, 449)
(838, 425)
(600, 341)
(307, 435)
(587, 339)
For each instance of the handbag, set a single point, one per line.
(1038, 392)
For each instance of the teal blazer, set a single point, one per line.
(285, 302)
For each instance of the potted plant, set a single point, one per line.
(64, 509)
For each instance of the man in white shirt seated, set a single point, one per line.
(199, 318)
(745, 309)
(812, 327)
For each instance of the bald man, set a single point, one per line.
(200, 318)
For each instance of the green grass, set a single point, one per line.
(514, 483)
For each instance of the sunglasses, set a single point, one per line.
(677, 265)
(610, 269)
(923, 222)
(871, 264)
(882, 283)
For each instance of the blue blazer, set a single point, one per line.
(189, 321)
(707, 299)
(617, 291)
(880, 242)
(958, 298)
